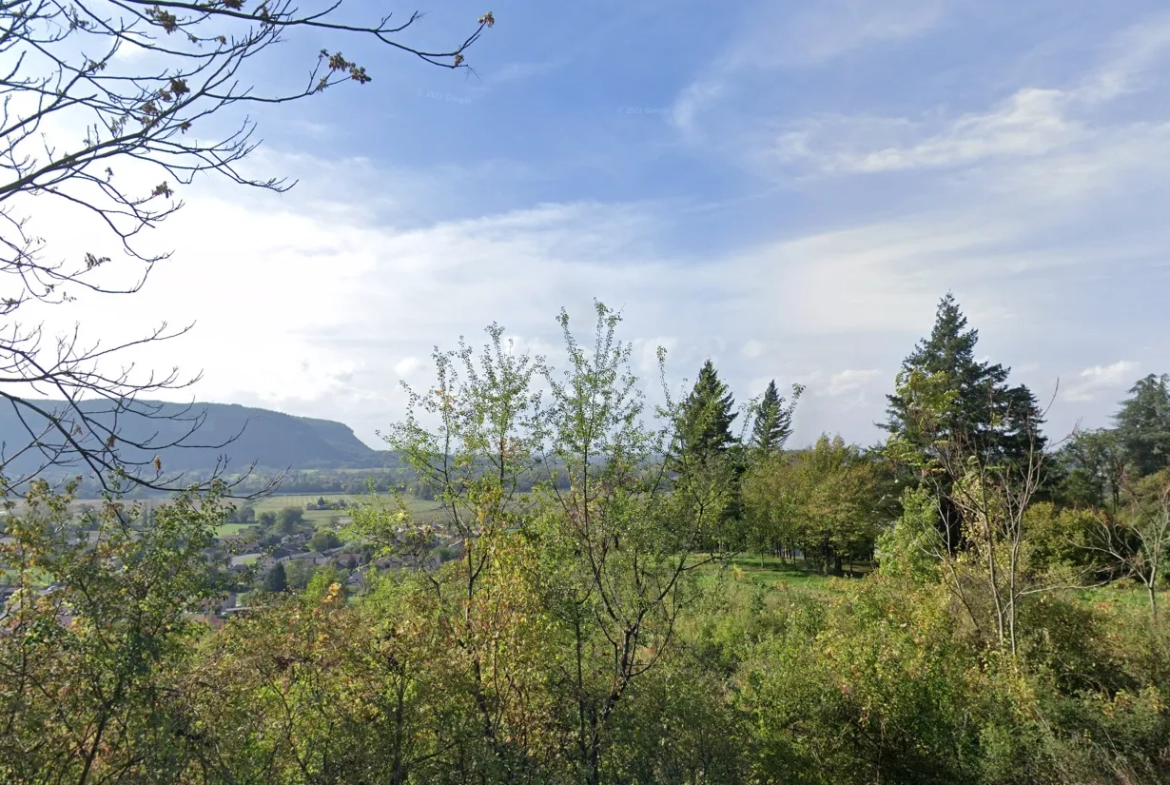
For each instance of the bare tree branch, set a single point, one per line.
(83, 127)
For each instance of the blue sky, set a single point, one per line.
(785, 188)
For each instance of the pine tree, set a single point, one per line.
(1000, 423)
(1143, 425)
(996, 423)
(773, 423)
(704, 425)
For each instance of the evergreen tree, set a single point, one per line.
(998, 422)
(707, 459)
(1143, 425)
(276, 581)
(704, 424)
(773, 422)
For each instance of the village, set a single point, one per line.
(260, 555)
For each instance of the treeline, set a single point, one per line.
(595, 629)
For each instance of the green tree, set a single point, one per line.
(704, 421)
(94, 634)
(289, 518)
(1090, 469)
(997, 423)
(706, 457)
(1143, 425)
(621, 545)
(773, 421)
(324, 541)
(276, 581)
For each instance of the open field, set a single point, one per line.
(319, 518)
(773, 573)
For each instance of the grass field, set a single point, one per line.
(773, 573)
(319, 518)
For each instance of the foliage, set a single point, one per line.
(277, 579)
(288, 519)
(773, 420)
(1091, 469)
(826, 502)
(1143, 425)
(909, 550)
(704, 421)
(324, 541)
(90, 641)
(982, 417)
(579, 631)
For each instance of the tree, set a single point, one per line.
(1091, 469)
(289, 518)
(705, 457)
(995, 421)
(773, 421)
(1143, 425)
(95, 631)
(620, 545)
(704, 423)
(324, 541)
(142, 132)
(827, 502)
(276, 581)
(1137, 540)
(981, 496)
(471, 437)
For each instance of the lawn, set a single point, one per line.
(772, 572)
(229, 529)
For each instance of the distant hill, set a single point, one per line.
(268, 438)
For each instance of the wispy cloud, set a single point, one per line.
(820, 32)
(1032, 122)
(1092, 383)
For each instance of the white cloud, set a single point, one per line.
(1032, 122)
(779, 36)
(1093, 382)
(850, 381)
(407, 366)
(1132, 58)
(693, 101)
(753, 349)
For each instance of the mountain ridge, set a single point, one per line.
(270, 439)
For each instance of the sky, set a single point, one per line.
(785, 188)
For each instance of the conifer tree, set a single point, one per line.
(773, 422)
(1143, 425)
(999, 423)
(990, 421)
(704, 425)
